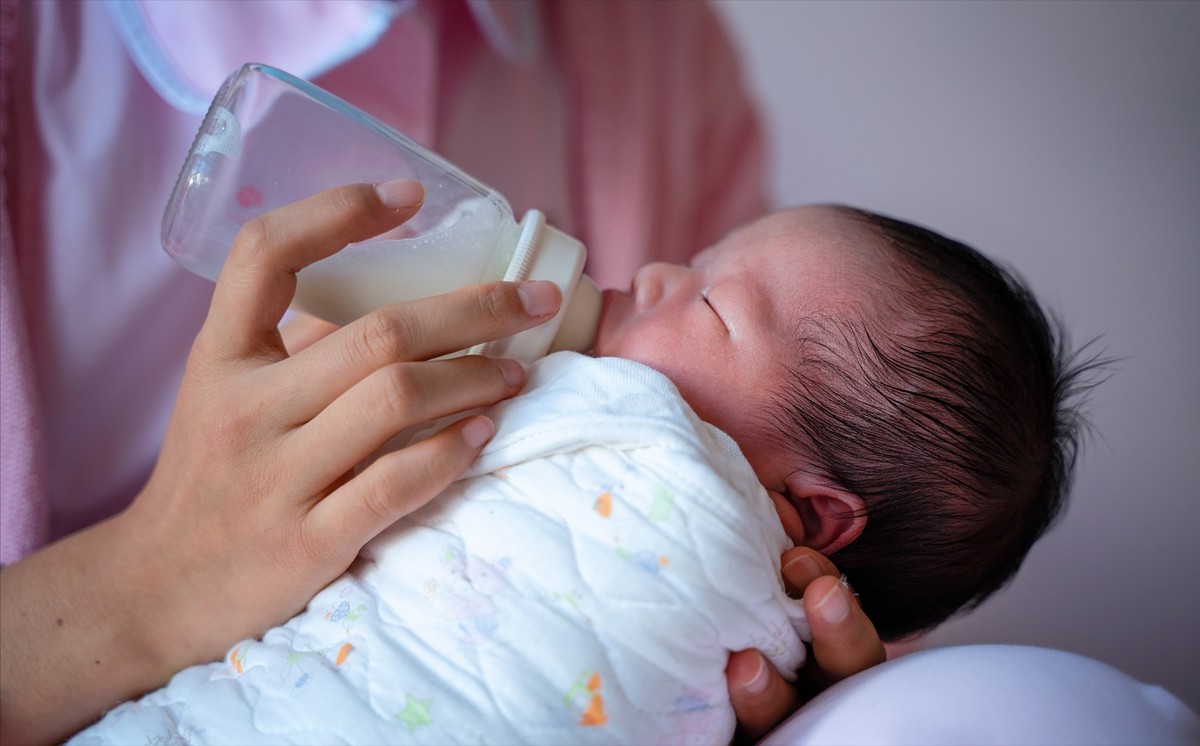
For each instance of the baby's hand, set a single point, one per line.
(844, 643)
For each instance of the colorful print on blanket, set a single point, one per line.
(584, 582)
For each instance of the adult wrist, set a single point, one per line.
(150, 575)
(78, 633)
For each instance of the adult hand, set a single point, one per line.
(255, 502)
(844, 643)
(257, 468)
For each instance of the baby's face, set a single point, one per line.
(723, 328)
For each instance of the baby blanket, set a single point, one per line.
(583, 582)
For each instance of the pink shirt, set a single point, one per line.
(630, 129)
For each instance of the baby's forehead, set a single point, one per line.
(839, 283)
(822, 254)
(833, 226)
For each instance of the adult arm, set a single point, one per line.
(255, 503)
(844, 643)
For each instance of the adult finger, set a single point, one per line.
(302, 330)
(761, 698)
(417, 330)
(394, 485)
(392, 398)
(844, 640)
(801, 566)
(258, 280)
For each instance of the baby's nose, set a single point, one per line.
(658, 279)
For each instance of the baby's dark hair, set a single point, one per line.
(951, 408)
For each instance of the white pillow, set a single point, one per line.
(991, 694)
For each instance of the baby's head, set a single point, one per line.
(902, 398)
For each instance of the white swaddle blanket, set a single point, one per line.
(583, 582)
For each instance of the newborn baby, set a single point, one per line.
(801, 381)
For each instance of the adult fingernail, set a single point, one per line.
(834, 607)
(801, 570)
(400, 193)
(514, 373)
(478, 431)
(758, 683)
(539, 298)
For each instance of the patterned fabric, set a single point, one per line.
(584, 583)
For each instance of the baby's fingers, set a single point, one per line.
(393, 486)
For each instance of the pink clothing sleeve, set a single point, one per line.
(24, 512)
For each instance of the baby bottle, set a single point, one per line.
(270, 138)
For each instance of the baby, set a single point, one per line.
(903, 399)
(899, 398)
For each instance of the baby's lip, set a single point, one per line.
(606, 298)
(615, 305)
(606, 303)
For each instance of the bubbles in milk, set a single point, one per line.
(366, 276)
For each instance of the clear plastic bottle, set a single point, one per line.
(270, 138)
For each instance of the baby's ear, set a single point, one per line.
(831, 517)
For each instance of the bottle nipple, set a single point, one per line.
(578, 329)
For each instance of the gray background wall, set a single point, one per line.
(1064, 139)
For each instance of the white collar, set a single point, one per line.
(185, 50)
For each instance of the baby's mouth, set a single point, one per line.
(612, 304)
